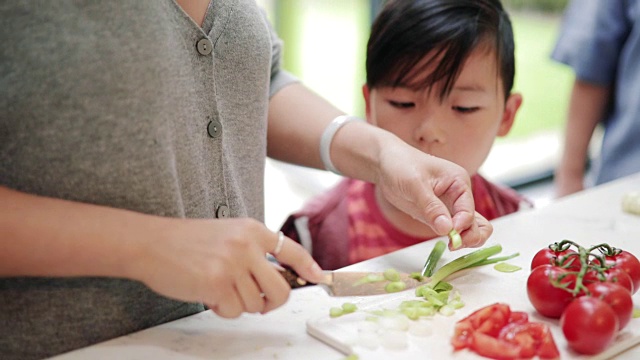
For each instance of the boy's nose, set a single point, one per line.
(429, 132)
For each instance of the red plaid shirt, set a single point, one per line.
(345, 225)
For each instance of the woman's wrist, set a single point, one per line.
(327, 139)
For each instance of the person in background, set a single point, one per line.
(439, 76)
(600, 41)
(133, 138)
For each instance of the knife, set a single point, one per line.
(349, 283)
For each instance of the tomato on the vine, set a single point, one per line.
(627, 262)
(589, 325)
(547, 256)
(547, 299)
(617, 297)
(614, 275)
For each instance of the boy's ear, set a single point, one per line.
(510, 109)
(367, 102)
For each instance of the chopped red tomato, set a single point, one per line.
(499, 333)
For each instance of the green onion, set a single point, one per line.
(463, 262)
(395, 286)
(456, 240)
(434, 257)
(391, 275)
(494, 260)
(416, 276)
(369, 278)
(349, 307)
(335, 312)
(504, 267)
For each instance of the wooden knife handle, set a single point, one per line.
(292, 277)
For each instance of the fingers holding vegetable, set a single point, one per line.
(475, 236)
(434, 191)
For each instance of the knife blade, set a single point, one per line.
(349, 283)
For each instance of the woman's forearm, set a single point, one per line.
(50, 237)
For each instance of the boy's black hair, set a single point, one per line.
(406, 30)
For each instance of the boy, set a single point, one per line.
(439, 76)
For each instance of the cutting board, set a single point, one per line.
(387, 337)
(429, 337)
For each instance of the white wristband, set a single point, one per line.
(327, 138)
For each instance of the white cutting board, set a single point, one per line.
(429, 337)
(354, 334)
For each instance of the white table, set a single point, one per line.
(591, 217)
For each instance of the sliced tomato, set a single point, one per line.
(494, 348)
(499, 333)
(519, 317)
(533, 338)
(490, 319)
(462, 335)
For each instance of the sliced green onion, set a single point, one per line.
(416, 276)
(443, 286)
(369, 278)
(335, 312)
(446, 310)
(456, 239)
(349, 307)
(391, 275)
(434, 257)
(505, 267)
(395, 286)
(463, 262)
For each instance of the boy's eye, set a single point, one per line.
(401, 105)
(465, 110)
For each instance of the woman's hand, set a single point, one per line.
(221, 263)
(432, 190)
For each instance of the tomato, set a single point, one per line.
(614, 275)
(547, 299)
(630, 264)
(547, 256)
(499, 333)
(494, 348)
(488, 320)
(589, 325)
(615, 296)
(519, 317)
(532, 338)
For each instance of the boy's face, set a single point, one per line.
(461, 127)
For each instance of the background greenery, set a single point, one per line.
(539, 5)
